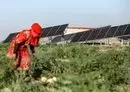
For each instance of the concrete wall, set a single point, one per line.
(110, 41)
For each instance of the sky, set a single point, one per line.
(16, 15)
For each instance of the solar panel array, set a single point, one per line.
(49, 31)
(100, 33)
(92, 34)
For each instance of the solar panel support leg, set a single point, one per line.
(108, 41)
(127, 43)
(122, 42)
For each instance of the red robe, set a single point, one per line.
(21, 40)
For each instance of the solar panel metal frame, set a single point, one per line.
(125, 37)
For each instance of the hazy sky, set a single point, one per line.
(16, 15)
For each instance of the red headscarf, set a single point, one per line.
(36, 29)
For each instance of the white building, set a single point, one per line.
(70, 30)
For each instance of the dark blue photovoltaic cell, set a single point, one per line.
(84, 36)
(111, 31)
(121, 30)
(127, 31)
(61, 30)
(103, 32)
(77, 37)
(94, 34)
(65, 37)
(9, 38)
(56, 39)
(46, 31)
(68, 37)
(53, 31)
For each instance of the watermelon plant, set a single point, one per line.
(76, 68)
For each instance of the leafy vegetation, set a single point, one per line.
(77, 67)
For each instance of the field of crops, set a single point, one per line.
(75, 67)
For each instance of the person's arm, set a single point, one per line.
(31, 47)
(19, 38)
(31, 50)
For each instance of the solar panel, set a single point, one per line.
(65, 37)
(61, 30)
(121, 30)
(56, 39)
(89, 34)
(111, 31)
(53, 31)
(77, 37)
(9, 38)
(94, 34)
(46, 31)
(68, 37)
(127, 31)
(102, 32)
(84, 36)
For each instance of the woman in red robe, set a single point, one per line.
(19, 46)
